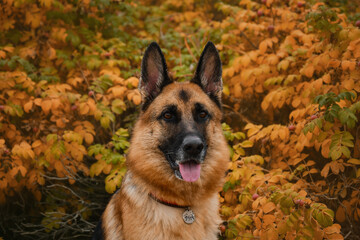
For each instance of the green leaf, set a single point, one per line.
(118, 106)
(73, 38)
(105, 122)
(323, 215)
(246, 144)
(243, 221)
(335, 154)
(51, 137)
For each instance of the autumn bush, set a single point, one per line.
(68, 101)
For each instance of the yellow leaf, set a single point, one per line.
(110, 186)
(283, 65)
(246, 144)
(118, 91)
(252, 129)
(46, 3)
(133, 81)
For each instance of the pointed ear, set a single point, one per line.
(208, 73)
(154, 74)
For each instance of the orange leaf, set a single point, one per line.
(22, 170)
(309, 71)
(36, 144)
(335, 228)
(83, 109)
(136, 99)
(28, 106)
(325, 170)
(88, 138)
(269, 219)
(340, 214)
(46, 106)
(335, 236)
(268, 207)
(348, 84)
(325, 148)
(263, 46)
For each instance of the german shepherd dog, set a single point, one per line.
(177, 158)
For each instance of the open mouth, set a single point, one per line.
(189, 171)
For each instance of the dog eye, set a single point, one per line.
(203, 114)
(168, 116)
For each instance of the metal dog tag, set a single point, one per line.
(188, 216)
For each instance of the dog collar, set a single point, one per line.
(188, 214)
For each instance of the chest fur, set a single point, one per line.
(157, 221)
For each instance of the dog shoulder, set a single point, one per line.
(112, 219)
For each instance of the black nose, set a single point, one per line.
(192, 145)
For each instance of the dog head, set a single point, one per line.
(178, 138)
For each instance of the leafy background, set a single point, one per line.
(68, 101)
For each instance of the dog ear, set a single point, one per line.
(154, 74)
(208, 73)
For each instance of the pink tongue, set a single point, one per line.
(190, 171)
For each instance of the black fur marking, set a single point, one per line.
(98, 232)
(172, 109)
(184, 95)
(172, 146)
(216, 99)
(172, 143)
(199, 108)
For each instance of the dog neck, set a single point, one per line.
(167, 203)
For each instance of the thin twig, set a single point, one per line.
(247, 39)
(189, 49)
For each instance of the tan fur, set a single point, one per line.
(132, 214)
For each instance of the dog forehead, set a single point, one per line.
(184, 96)
(184, 92)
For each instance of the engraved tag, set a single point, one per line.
(188, 216)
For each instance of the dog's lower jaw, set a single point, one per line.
(178, 175)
